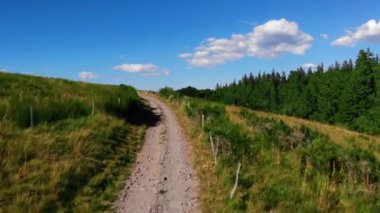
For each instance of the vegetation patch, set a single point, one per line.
(64, 146)
(284, 168)
(345, 93)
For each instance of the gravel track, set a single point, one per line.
(163, 179)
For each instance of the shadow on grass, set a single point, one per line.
(140, 114)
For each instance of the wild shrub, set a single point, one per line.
(291, 169)
(167, 92)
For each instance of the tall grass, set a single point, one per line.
(72, 159)
(51, 100)
(286, 168)
(338, 134)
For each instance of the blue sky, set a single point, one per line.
(139, 42)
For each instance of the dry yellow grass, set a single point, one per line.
(337, 134)
(233, 114)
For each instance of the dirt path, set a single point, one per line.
(163, 179)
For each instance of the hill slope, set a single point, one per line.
(345, 94)
(337, 134)
(65, 145)
(284, 166)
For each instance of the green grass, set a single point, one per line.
(284, 168)
(70, 160)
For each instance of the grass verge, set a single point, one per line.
(65, 146)
(211, 193)
(284, 168)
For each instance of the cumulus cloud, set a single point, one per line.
(268, 40)
(3, 70)
(309, 65)
(369, 31)
(87, 75)
(137, 68)
(143, 69)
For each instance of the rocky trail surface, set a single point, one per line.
(163, 179)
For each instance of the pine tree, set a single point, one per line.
(359, 95)
(343, 93)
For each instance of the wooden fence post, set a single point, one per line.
(236, 182)
(212, 144)
(214, 149)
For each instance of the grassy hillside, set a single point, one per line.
(64, 146)
(345, 94)
(337, 134)
(291, 168)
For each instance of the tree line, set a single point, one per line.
(345, 93)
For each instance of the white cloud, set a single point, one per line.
(309, 65)
(3, 70)
(369, 31)
(184, 55)
(137, 68)
(343, 41)
(87, 75)
(269, 40)
(143, 69)
(325, 36)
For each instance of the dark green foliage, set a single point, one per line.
(287, 169)
(343, 93)
(166, 92)
(120, 103)
(48, 111)
(52, 100)
(212, 110)
(194, 92)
